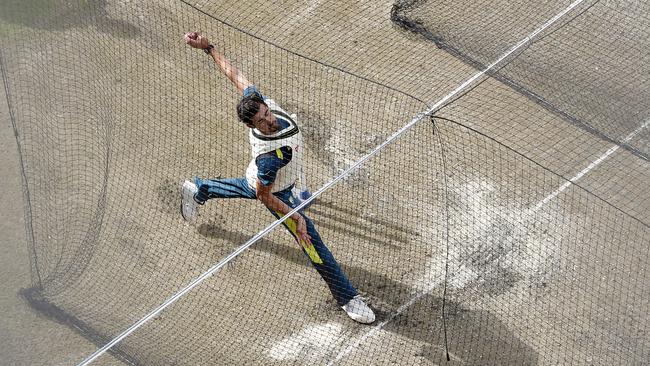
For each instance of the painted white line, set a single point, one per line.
(431, 110)
(381, 325)
(309, 345)
(214, 269)
(586, 170)
(465, 274)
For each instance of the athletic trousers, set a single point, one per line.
(318, 253)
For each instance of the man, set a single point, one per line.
(276, 144)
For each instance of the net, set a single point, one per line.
(509, 225)
(583, 69)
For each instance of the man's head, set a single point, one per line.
(256, 114)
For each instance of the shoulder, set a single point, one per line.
(270, 102)
(270, 163)
(250, 90)
(277, 158)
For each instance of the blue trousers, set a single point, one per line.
(318, 253)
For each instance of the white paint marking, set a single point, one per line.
(417, 119)
(586, 170)
(309, 345)
(214, 269)
(465, 274)
(381, 325)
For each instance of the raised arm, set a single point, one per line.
(196, 40)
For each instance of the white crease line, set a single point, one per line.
(418, 296)
(431, 110)
(381, 325)
(214, 269)
(591, 166)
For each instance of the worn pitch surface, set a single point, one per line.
(523, 259)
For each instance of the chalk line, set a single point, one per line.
(431, 110)
(589, 168)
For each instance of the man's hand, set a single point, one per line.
(264, 194)
(196, 40)
(301, 229)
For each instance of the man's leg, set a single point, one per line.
(222, 188)
(323, 260)
(196, 192)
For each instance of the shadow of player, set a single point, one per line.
(476, 337)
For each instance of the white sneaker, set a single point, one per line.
(189, 206)
(359, 311)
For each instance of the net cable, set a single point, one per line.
(462, 87)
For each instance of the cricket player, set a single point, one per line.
(276, 166)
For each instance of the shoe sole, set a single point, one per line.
(183, 201)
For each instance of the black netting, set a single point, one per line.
(590, 68)
(507, 225)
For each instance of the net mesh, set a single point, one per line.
(508, 227)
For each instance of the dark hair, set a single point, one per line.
(248, 106)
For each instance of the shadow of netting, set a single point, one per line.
(114, 125)
(558, 275)
(109, 128)
(585, 68)
(573, 246)
(521, 281)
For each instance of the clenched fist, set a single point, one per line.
(196, 40)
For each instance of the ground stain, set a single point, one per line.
(476, 337)
(57, 15)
